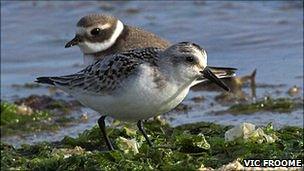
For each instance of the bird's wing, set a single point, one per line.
(104, 75)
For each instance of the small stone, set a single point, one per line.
(242, 130)
(293, 91)
(24, 110)
(84, 117)
(248, 132)
(182, 108)
(161, 120)
(128, 145)
(198, 99)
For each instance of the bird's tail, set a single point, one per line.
(61, 81)
(45, 80)
(58, 81)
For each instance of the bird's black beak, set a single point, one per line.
(210, 76)
(73, 42)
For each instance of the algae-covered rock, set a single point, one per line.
(12, 114)
(181, 148)
(36, 113)
(44, 102)
(21, 119)
(267, 104)
(26, 86)
(189, 142)
(66, 152)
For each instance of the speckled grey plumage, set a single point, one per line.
(107, 74)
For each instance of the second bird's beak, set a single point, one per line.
(210, 76)
(73, 42)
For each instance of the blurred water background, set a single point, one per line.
(267, 36)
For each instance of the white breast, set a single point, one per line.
(138, 99)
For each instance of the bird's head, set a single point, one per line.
(189, 62)
(96, 33)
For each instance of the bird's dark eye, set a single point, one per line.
(95, 31)
(189, 59)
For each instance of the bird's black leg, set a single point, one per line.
(141, 128)
(102, 127)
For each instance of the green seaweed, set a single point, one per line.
(16, 121)
(184, 147)
(11, 116)
(281, 105)
(48, 103)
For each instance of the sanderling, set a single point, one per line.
(138, 84)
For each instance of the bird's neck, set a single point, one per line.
(89, 59)
(173, 74)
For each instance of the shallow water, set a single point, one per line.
(247, 35)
